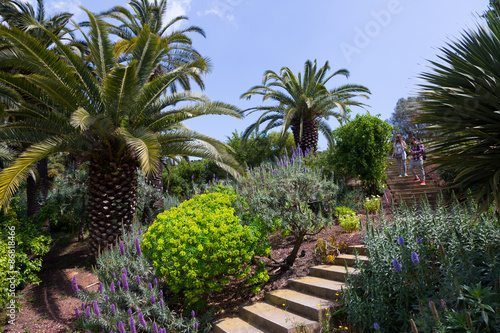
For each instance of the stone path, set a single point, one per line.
(300, 307)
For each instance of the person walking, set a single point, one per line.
(417, 161)
(399, 152)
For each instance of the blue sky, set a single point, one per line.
(384, 44)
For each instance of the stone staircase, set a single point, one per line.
(302, 306)
(404, 188)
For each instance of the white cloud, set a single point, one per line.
(177, 8)
(70, 6)
(222, 9)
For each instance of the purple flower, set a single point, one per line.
(138, 247)
(192, 177)
(414, 257)
(376, 326)
(87, 311)
(396, 266)
(192, 313)
(443, 303)
(161, 293)
(161, 302)
(113, 308)
(150, 286)
(419, 241)
(114, 275)
(140, 232)
(155, 327)
(118, 283)
(74, 284)
(141, 319)
(100, 287)
(83, 307)
(196, 325)
(125, 281)
(137, 277)
(77, 313)
(401, 241)
(129, 311)
(106, 298)
(153, 299)
(155, 281)
(97, 311)
(206, 166)
(132, 325)
(122, 248)
(112, 287)
(120, 326)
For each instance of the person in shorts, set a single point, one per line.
(417, 160)
(399, 153)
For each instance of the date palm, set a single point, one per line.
(109, 114)
(461, 105)
(304, 103)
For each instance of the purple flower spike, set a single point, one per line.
(125, 281)
(112, 287)
(414, 258)
(83, 307)
(120, 326)
(97, 311)
(192, 313)
(155, 281)
(376, 326)
(397, 266)
(141, 319)
(419, 241)
(401, 241)
(113, 308)
(87, 311)
(74, 284)
(138, 247)
(161, 302)
(122, 248)
(150, 286)
(138, 278)
(196, 325)
(153, 299)
(100, 287)
(114, 275)
(129, 311)
(77, 313)
(132, 326)
(118, 283)
(161, 293)
(155, 327)
(192, 177)
(206, 166)
(106, 298)
(140, 232)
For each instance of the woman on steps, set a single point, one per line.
(399, 152)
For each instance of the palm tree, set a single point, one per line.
(461, 106)
(304, 103)
(35, 23)
(109, 114)
(178, 44)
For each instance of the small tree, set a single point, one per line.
(361, 150)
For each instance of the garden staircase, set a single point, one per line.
(403, 189)
(302, 306)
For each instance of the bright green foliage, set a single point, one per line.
(461, 103)
(290, 196)
(198, 246)
(20, 239)
(343, 210)
(361, 150)
(425, 255)
(372, 204)
(143, 284)
(347, 218)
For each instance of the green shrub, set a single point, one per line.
(129, 289)
(349, 222)
(372, 204)
(23, 242)
(198, 246)
(426, 261)
(343, 210)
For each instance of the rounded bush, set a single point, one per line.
(198, 246)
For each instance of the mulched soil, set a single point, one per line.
(49, 306)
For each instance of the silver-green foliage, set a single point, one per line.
(424, 255)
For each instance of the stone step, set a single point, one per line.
(359, 249)
(302, 304)
(234, 325)
(319, 287)
(331, 272)
(270, 318)
(349, 259)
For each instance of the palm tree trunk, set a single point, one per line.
(156, 180)
(111, 201)
(308, 142)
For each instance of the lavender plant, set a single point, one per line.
(129, 296)
(429, 270)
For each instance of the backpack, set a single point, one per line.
(399, 151)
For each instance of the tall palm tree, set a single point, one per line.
(304, 103)
(109, 114)
(461, 106)
(35, 23)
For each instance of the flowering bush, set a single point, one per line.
(198, 246)
(129, 297)
(372, 204)
(328, 251)
(433, 270)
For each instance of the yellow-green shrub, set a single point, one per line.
(198, 246)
